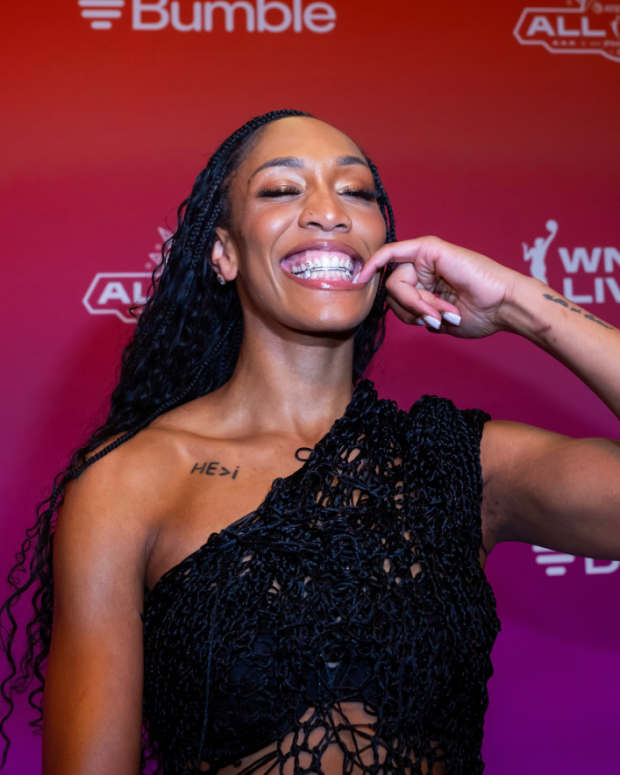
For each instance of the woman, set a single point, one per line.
(345, 624)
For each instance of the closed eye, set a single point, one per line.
(363, 193)
(282, 191)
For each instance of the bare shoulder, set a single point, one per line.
(118, 502)
(135, 495)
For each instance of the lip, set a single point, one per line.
(326, 285)
(320, 283)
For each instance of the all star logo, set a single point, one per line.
(578, 27)
(584, 274)
(119, 293)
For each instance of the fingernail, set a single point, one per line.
(432, 322)
(420, 323)
(452, 317)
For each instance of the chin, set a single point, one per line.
(316, 311)
(326, 322)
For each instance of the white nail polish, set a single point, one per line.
(420, 323)
(432, 322)
(452, 317)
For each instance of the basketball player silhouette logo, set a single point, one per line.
(536, 254)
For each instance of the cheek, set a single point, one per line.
(374, 229)
(268, 226)
(257, 234)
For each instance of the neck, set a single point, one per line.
(297, 384)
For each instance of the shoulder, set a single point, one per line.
(442, 438)
(441, 422)
(131, 470)
(117, 504)
(128, 491)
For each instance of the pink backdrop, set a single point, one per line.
(493, 124)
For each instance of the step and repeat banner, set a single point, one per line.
(494, 125)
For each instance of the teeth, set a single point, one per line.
(326, 273)
(324, 265)
(323, 260)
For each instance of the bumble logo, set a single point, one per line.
(272, 16)
(580, 27)
(101, 12)
(555, 563)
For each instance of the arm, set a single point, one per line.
(547, 489)
(540, 487)
(544, 488)
(588, 346)
(93, 688)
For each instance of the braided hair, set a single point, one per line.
(185, 345)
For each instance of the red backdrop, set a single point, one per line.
(493, 124)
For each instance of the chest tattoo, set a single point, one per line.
(214, 468)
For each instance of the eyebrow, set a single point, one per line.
(295, 161)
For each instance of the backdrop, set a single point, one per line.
(495, 126)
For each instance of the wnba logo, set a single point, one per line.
(587, 273)
(272, 16)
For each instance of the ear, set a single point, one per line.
(224, 256)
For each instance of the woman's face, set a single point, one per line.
(304, 219)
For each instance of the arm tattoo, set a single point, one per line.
(586, 315)
(214, 468)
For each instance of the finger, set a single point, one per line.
(446, 309)
(441, 297)
(431, 324)
(422, 302)
(416, 301)
(394, 251)
(404, 314)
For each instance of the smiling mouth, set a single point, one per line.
(328, 265)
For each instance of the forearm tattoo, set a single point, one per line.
(583, 313)
(214, 468)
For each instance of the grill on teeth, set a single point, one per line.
(317, 271)
(307, 268)
(317, 264)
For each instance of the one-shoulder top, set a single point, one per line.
(345, 625)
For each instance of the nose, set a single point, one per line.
(324, 210)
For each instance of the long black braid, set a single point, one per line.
(185, 345)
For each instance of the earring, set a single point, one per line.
(220, 279)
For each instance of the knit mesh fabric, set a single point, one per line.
(345, 625)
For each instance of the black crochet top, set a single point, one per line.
(345, 625)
